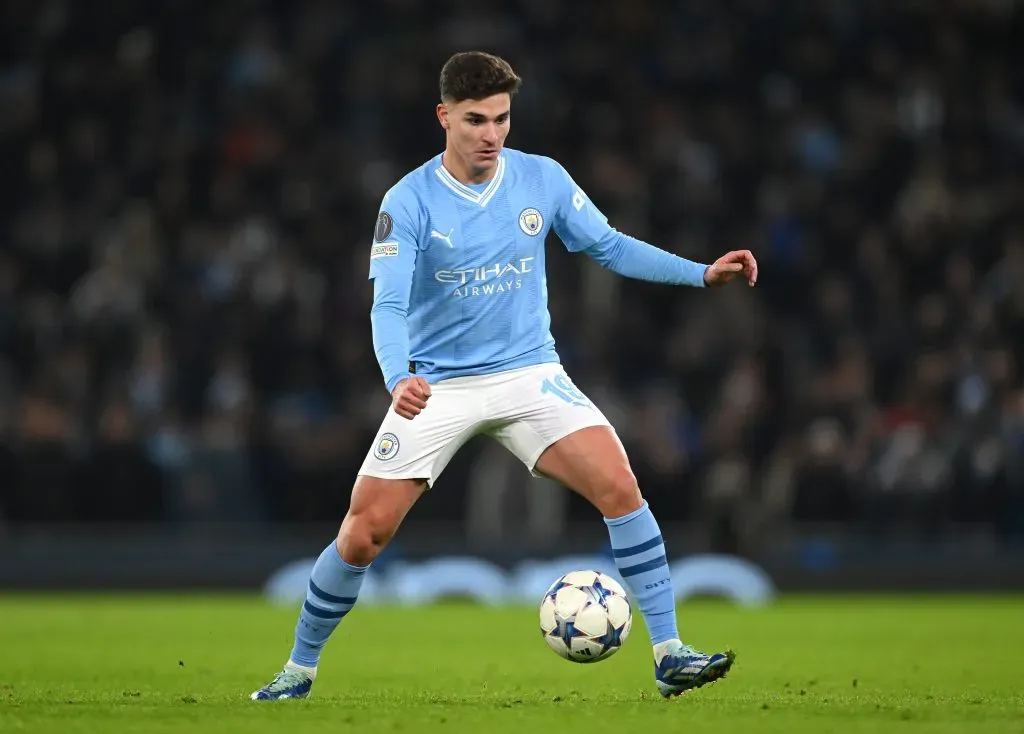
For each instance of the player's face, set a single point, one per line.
(476, 131)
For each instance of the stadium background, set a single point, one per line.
(187, 382)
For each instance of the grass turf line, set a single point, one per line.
(806, 664)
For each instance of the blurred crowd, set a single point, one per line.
(189, 193)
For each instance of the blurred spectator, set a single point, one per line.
(118, 481)
(502, 508)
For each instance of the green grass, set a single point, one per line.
(807, 664)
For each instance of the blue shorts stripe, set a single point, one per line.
(329, 598)
(644, 567)
(634, 549)
(323, 613)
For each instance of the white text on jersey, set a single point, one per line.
(483, 273)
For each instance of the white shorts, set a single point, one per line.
(525, 409)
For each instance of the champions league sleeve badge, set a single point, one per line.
(385, 224)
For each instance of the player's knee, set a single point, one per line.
(363, 535)
(620, 494)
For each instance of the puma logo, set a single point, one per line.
(446, 238)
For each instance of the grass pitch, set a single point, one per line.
(806, 664)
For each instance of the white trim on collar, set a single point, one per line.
(477, 197)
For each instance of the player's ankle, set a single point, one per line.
(310, 671)
(663, 647)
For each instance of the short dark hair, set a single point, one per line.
(477, 75)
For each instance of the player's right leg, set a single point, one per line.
(377, 509)
(406, 458)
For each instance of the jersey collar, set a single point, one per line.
(460, 189)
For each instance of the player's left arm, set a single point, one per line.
(635, 258)
(583, 228)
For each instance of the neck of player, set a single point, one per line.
(463, 172)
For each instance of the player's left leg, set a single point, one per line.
(557, 432)
(592, 462)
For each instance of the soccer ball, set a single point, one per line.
(585, 616)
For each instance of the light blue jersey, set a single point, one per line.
(458, 270)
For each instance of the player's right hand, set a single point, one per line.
(410, 397)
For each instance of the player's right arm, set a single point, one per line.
(392, 265)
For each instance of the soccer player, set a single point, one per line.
(462, 333)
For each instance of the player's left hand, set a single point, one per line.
(730, 266)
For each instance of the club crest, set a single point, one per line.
(531, 221)
(387, 447)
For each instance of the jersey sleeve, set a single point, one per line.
(584, 228)
(392, 264)
(577, 221)
(395, 243)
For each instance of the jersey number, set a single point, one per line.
(562, 388)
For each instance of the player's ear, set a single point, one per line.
(442, 115)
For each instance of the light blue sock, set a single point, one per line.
(640, 557)
(333, 588)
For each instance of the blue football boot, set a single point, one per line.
(292, 682)
(682, 668)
